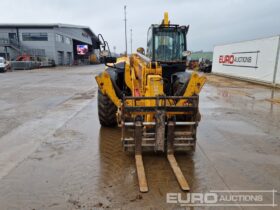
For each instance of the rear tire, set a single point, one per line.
(106, 111)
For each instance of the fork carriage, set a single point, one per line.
(170, 128)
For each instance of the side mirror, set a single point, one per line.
(186, 53)
(104, 53)
(110, 59)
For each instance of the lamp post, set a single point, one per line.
(125, 30)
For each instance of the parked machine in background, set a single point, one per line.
(193, 65)
(3, 65)
(93, 59)
(152, 98)
(46, 62)
(205, 65)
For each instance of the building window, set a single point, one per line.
(59, 38)
(34, 36)
(67, 40)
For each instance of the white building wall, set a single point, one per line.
(254, 60)
(278, 71)
(4, 32)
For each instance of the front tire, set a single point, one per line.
(106, 111)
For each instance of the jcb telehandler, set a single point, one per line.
(152, 98)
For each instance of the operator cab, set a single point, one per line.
(167, 45)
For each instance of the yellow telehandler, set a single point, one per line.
(153, 98)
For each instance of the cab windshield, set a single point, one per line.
(169, 45)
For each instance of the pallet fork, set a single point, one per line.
(143, 186)
(161, 135)
(142, 181)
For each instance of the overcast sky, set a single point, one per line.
(211, 22)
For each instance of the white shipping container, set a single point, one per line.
(278, 72)
(253, 60)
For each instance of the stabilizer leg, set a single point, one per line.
(172, 160)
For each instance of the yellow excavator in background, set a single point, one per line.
(93, 59)
(153, 98)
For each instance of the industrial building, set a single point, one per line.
(65, 44)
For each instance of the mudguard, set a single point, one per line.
(180, 81)
(117, 77)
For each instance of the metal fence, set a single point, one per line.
(13, 43)
(34, 52)
(9, 43)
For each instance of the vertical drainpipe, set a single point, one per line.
(18, 39)
(6, 53)
(276, 63)
(55, 55)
